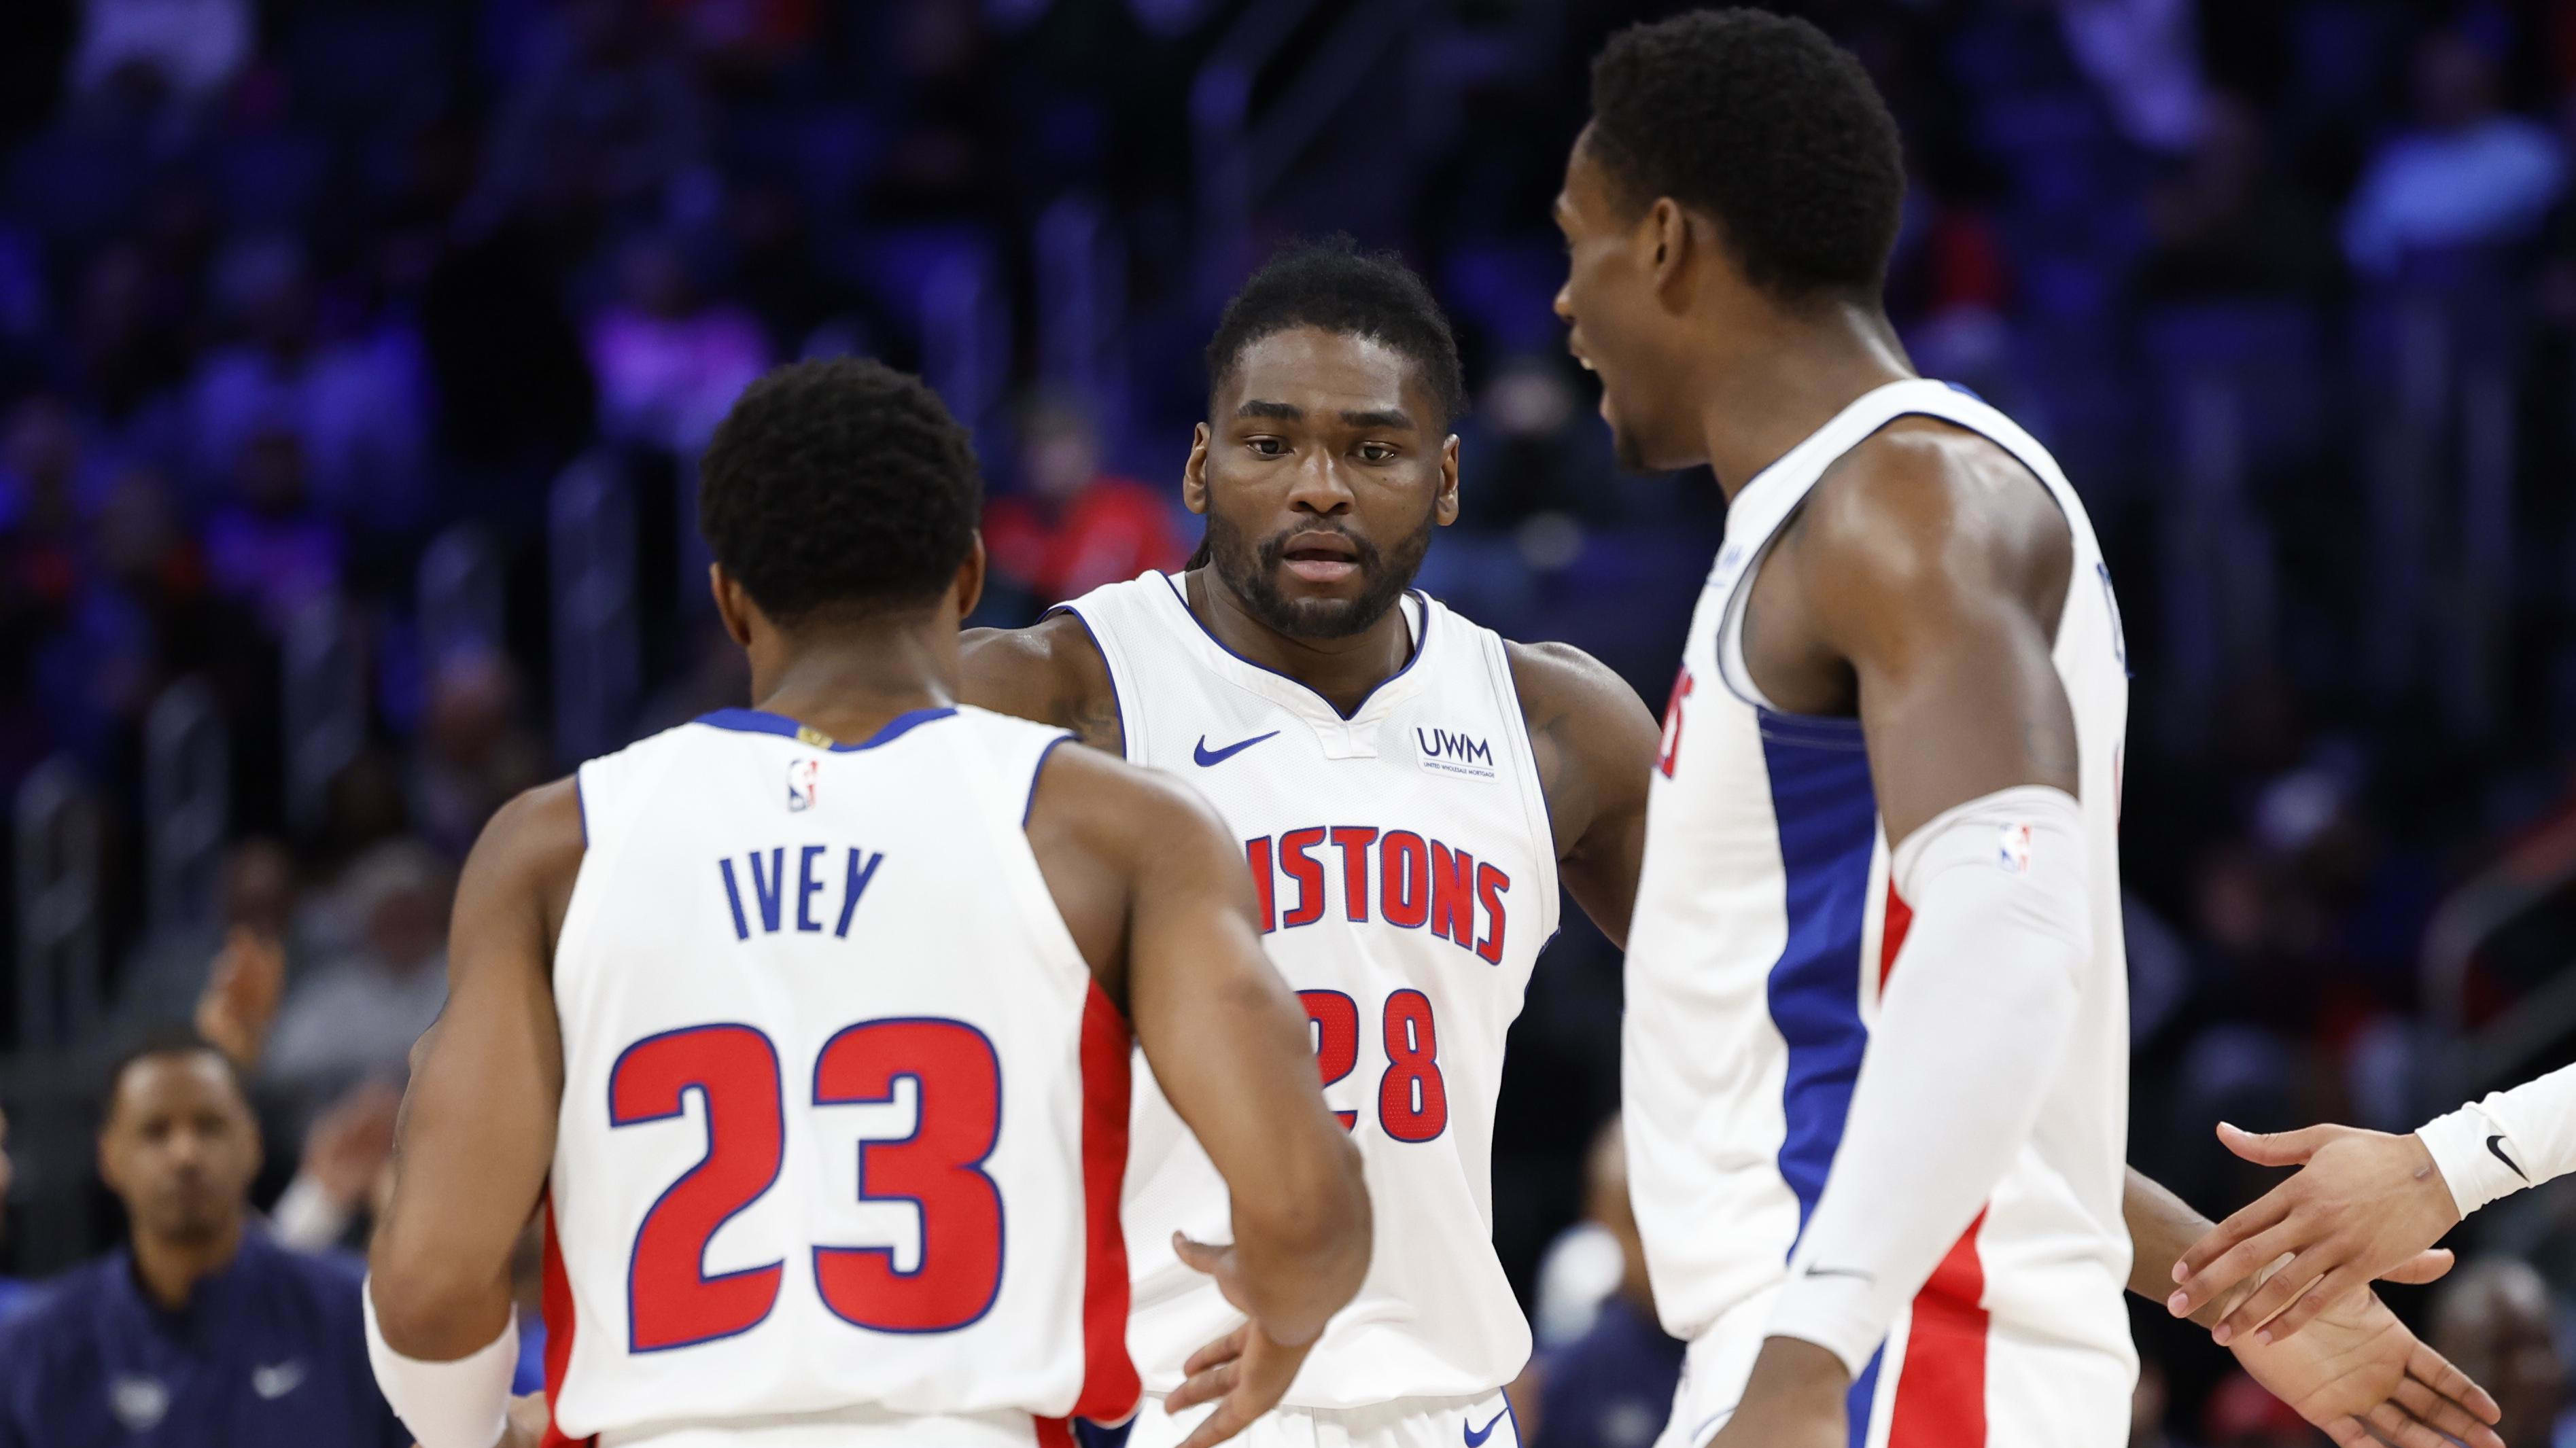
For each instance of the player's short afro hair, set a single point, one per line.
(1762, 122)
(839, 487)
(1334, 285)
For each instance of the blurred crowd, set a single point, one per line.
(289, 291)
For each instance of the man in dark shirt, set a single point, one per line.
(200, 1330)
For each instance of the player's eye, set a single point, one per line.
(1376, 452)
(1267, 447)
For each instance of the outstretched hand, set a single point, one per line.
(1244, 1373)
(2365, 1206)
(239, 1002)
(2357, 1371)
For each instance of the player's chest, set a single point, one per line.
(1425, 822)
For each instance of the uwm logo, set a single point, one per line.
(1395, 876)
(1448, 752)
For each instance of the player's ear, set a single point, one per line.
(1671, 240)
(1444, 508)
(1194, 487)
(731, 604)
(968, 590)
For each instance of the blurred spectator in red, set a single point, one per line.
(668, 362)
(743, 38)
(2493, 1319)
(1073, 527)
(2468, 174)
(473, 753)
(356, 1017)
(270, 549)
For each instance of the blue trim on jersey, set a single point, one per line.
(1117, 705)
(1862, 1397)
(1420, 644)
(1037, 774)
(761, 721)
(1828, 823)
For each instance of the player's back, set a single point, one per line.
(844, 1114)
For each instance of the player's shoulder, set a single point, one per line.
(1924, 498)
(1051, 671)
(1559, 681)
(1103, 799)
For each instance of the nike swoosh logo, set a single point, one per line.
(2495, 1144)
(1206, 756)
(1476, 1436)
(1815, 1271)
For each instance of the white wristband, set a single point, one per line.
(460, 1404)
(2507, 1140)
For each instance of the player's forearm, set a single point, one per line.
(1969, 1037)
(1303, 1251)
(438, 1299)
(2162, 1227)
(2507, 1141)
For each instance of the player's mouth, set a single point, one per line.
(1320, 557)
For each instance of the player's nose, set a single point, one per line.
(1321, 486)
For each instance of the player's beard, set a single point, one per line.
(1251, 571)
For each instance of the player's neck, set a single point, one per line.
(849, 686)
(169, 1269)
(1790, 379)
(1343, 670)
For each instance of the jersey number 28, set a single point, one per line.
(957, 1078)
(1412, 1099)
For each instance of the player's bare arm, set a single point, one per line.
(1593, 742)
(1920, 589)
(1154, 891)
(1050, 672)
(2356, 1370)
(477, 1132)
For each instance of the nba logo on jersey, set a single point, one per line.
(2012, 848)
(801, 776)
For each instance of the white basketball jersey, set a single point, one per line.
(843, 1113)
(1765, 928)
(1407, 879)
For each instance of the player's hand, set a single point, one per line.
(1793, 1399)
(2365, 1206)
(2357, 1371)
(1245, 1373)
(239, 1002)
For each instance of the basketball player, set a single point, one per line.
(2363, 1199)
(1408, 789)
(1875, 1060)
(808, 1024)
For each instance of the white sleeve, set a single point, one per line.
(1970, 1031)
(460, 1404)
(2511, 1140)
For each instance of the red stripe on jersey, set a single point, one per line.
(1941, 1390)
(557, 1307)
(1898, 919)
(1110, 1387)
(1055, 1433)
(1941, 1394)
